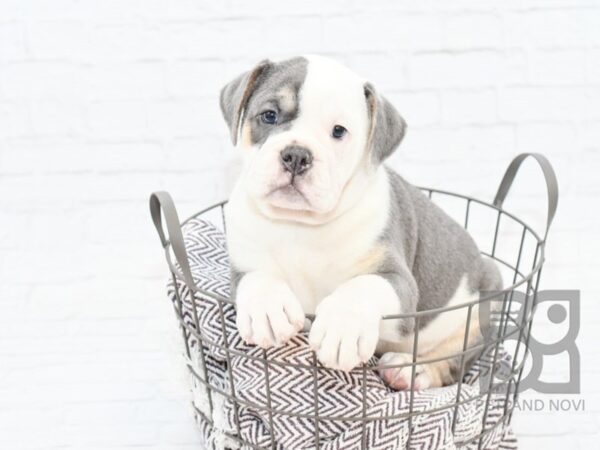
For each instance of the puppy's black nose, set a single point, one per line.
(296, 159)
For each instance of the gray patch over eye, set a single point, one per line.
(387, 127)
(280, 91)
(270, 85)
(235, 95)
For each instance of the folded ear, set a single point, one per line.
(235, 95)
(387, 127)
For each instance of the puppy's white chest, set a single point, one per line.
(315, 271)
(313, 260)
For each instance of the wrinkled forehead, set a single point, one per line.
(310, 84)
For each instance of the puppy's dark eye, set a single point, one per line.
(269, 117)
(338, 132)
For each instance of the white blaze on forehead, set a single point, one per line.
(333, 94)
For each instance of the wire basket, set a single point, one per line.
(516, 248)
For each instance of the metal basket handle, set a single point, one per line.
(163, 202)
(549, 175)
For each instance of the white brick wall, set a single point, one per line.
(103, 102)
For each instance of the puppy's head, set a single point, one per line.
(308, 129)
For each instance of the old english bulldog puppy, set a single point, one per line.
(318, 224)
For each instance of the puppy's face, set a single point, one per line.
(306, 127)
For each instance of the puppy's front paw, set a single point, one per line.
(268, 312)
(345, 331)
(400, 378)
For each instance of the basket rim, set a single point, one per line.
(539, 259)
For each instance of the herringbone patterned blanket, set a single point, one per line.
(277, 408)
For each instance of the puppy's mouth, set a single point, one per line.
(289, 196)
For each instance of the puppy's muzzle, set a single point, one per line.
(296, 159)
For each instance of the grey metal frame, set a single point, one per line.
(529, 281)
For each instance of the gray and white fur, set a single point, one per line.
(318, 224)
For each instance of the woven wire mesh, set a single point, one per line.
(517, 250)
